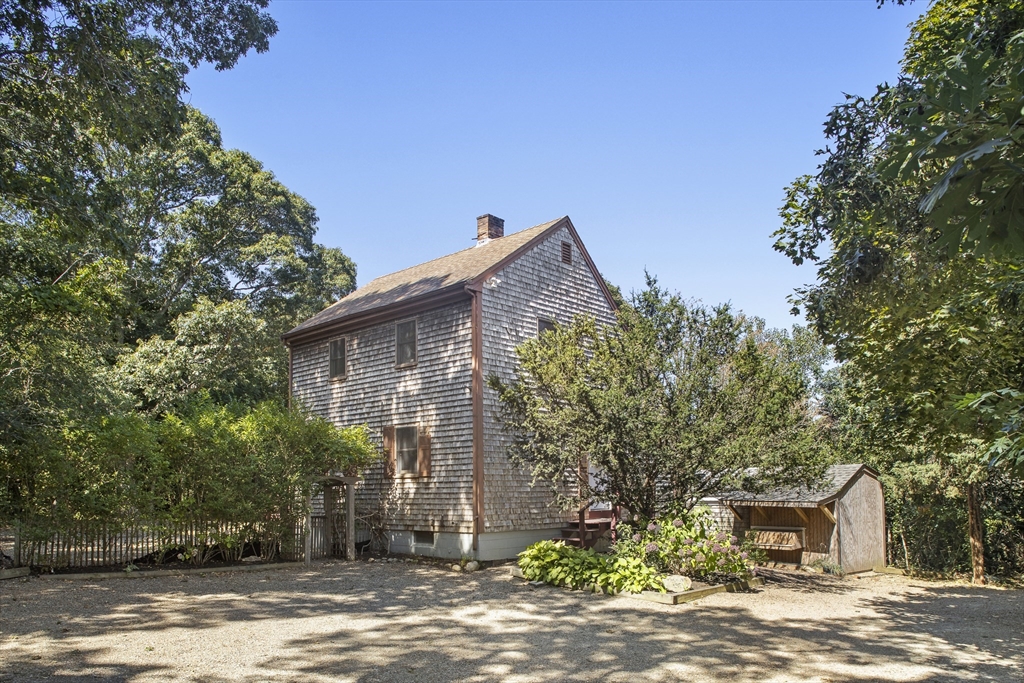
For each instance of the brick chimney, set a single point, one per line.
(489, 227)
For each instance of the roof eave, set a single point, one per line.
(447, 295)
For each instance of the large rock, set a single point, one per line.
(472, 566)
(677, 583)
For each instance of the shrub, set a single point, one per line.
(561, 565)
(690, 545)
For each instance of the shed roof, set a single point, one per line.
(837, 478)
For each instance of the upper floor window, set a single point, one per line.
(337, 358)
(567, 252)
(405, 343)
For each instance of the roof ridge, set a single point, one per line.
(454, 253)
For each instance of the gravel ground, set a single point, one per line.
(406, 622)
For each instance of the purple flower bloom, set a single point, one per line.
(677, 523)
(721, 562)
(734, 548)
(637, 538)
(717, 548)
(700, 557)
(688, 541)
(721, 536)
(652, 527)
(744, 556)
(652, 547)
(733, 539)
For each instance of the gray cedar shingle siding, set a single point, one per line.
(433, 394)
(536, 285)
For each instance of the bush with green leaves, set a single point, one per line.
(562, 565)
(689, 544)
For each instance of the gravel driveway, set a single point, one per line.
(406, 622)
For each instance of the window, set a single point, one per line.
(544, 325)
(405, 343)
(566, 252)
(423, 538)
(337, 358)
(406, 448)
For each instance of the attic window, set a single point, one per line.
(567, 252)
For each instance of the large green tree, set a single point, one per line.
(921, 324)
(672, 403)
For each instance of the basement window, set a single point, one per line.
(567, 252)
(423, 538)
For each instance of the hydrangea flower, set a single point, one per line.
(637, 538)
(721, 562)
(652, 527)
(733, 539)
(677, 523)
(651, 547)
(744, 556)
(688, 541)
(700, 557)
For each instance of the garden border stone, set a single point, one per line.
(676, 598)
(139, 574)
(13, 572)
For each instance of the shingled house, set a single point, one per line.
(408, 355)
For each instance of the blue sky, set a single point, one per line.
(666, 131)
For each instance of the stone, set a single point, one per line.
(372, 559)
(676, 583)
(456, 568)
(472, 566)
(251, 558)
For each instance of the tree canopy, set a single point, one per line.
(674, 402)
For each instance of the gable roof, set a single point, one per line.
(837, 478)
(435, 282)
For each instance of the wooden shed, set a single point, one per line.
(843, 520)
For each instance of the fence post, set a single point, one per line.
(350, 517)
(307, 532)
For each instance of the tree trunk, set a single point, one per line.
(976, 535)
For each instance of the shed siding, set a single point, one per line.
(861, 515)
(536, 285)
(820, 538)
(434, 394)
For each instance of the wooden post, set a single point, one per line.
(308, 531)
(975, 533)
(350, 517)
(17, 544)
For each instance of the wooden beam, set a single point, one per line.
(828, 513)
(803, 515)
(477, 391)
(734, 513)
(761, 512)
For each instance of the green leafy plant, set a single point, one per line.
(561, 565)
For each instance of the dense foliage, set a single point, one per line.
(673, 402)
(688, 544)
(916, 201)
(146, 273)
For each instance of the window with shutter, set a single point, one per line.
(407, 450)
(405, 343)
(423, 461)
(389, 451)
(337, 358)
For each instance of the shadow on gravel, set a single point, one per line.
(414, 623)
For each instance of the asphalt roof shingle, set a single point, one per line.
(459, 268)
(836, 478)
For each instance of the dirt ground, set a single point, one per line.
(407, 622)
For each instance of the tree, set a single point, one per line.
(79, 74)
(674, 402)
(922, 325)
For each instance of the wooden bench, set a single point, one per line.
(777, 537)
